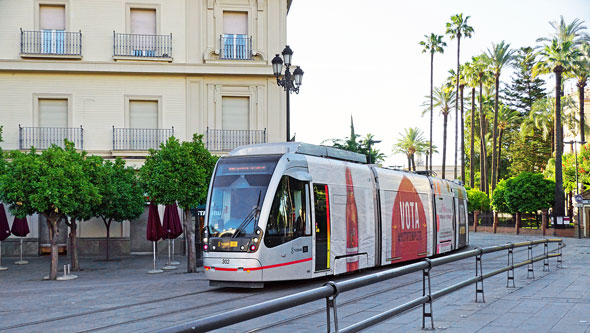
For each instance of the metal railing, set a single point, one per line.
(144, 46)
(225, 140)
(331, 290)
(140, 138)
(44, 137)
(51, 42)
(235, 47)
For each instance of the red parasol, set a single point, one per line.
(154, 227)
(4, 228)
(20, 227)
(172, 226)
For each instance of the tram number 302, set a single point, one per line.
(225, 261)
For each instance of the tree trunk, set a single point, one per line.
(108, 226)
(483, 177)
(499, 154)
(189, 233)
(581, 86)
(444, 157)
(461, 88)
(52, 223)
(413, 163)
(558, 210)
(495, 133)
(74, 244)
(472, 148)
(409, 163)
(431, 108)
(457, 106)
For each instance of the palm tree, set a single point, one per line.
(433, 44)
(451, 80)
(581, 71)
(566, 32)
(410, 143)
(456, 28)
(443, 98)
(481, 67)
(507, 119)
(471, 79)
(557, 57)
(500, 55)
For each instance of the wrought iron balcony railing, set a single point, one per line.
(142, 46)
(44, 137)
(235, 47)
(225, 140)
(51, 42)
(140, 138)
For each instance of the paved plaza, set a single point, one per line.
(119, 296)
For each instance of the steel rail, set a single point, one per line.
(332, 289)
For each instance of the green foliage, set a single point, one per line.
(524, 89)
(498, 202)
(528, 193)
(355, 144)
(477, 200)
(178, 172)
(122, 194)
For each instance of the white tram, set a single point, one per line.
(286, 211)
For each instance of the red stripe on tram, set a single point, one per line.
(258, 268)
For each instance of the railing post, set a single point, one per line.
(510, 272)
(479, 282)
(559, 263)
(331, 303)
(425, 284)
(81, 138)
(80, 47)
(475, 220)
(546, 256)
(495, 223)
(530, 265)
(544, 221)
(20, 135)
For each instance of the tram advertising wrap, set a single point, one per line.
(288, 211)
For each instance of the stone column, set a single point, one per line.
(517, 223)
(475, 216)
(544, 221)
(495, 224)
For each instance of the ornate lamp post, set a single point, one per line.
(289, 82)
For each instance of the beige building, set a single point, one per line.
(118, 77)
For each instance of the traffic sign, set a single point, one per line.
(578, 198)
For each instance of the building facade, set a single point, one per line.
(119, 77)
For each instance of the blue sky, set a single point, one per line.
(362, 58)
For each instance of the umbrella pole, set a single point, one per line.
(173, 262)
(154, 271)
(21, 261)
(2, 268)
(169, 266)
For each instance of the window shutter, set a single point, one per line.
(235, 113)
(53, 113)
(143, 21)
(235, 23)
(143, 114)
(52, 17)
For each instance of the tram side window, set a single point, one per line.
(288, 213)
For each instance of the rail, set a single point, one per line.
(142, 46)
(44, 137)
(140, 139)
(51, 42)
(226, 140)
(235, 47)
(331, 290)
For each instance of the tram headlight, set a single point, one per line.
(255, 241)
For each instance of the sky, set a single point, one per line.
(363, 59)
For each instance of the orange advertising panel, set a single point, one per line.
(408, 224)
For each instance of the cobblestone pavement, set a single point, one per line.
(118, 296)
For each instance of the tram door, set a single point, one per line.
(322, 227)
(462, 217)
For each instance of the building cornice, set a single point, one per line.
(125, 67)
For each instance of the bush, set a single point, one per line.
(498, 200)
(529, 192)
(477, 200)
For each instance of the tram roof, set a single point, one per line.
(299, 148)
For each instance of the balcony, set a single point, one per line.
(146, 47)
(43, 137)
(139, 139)
(226, 140)
(235, 47)
(51, 44)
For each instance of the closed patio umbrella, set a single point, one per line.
(172, 229)
(154, 232)
(20, 228)
(4, 232)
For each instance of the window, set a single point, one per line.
(235, 42)
(143, 21)
(143, 114)
(235, 113)
(287, 217)
(52, 22)
(53, 112)
(322, 227)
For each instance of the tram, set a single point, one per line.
(290, 211)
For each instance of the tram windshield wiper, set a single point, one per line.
(254, 214)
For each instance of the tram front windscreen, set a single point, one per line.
(239, 187)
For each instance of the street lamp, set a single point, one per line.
(289, 82)
(369, 142)
(573, 142)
